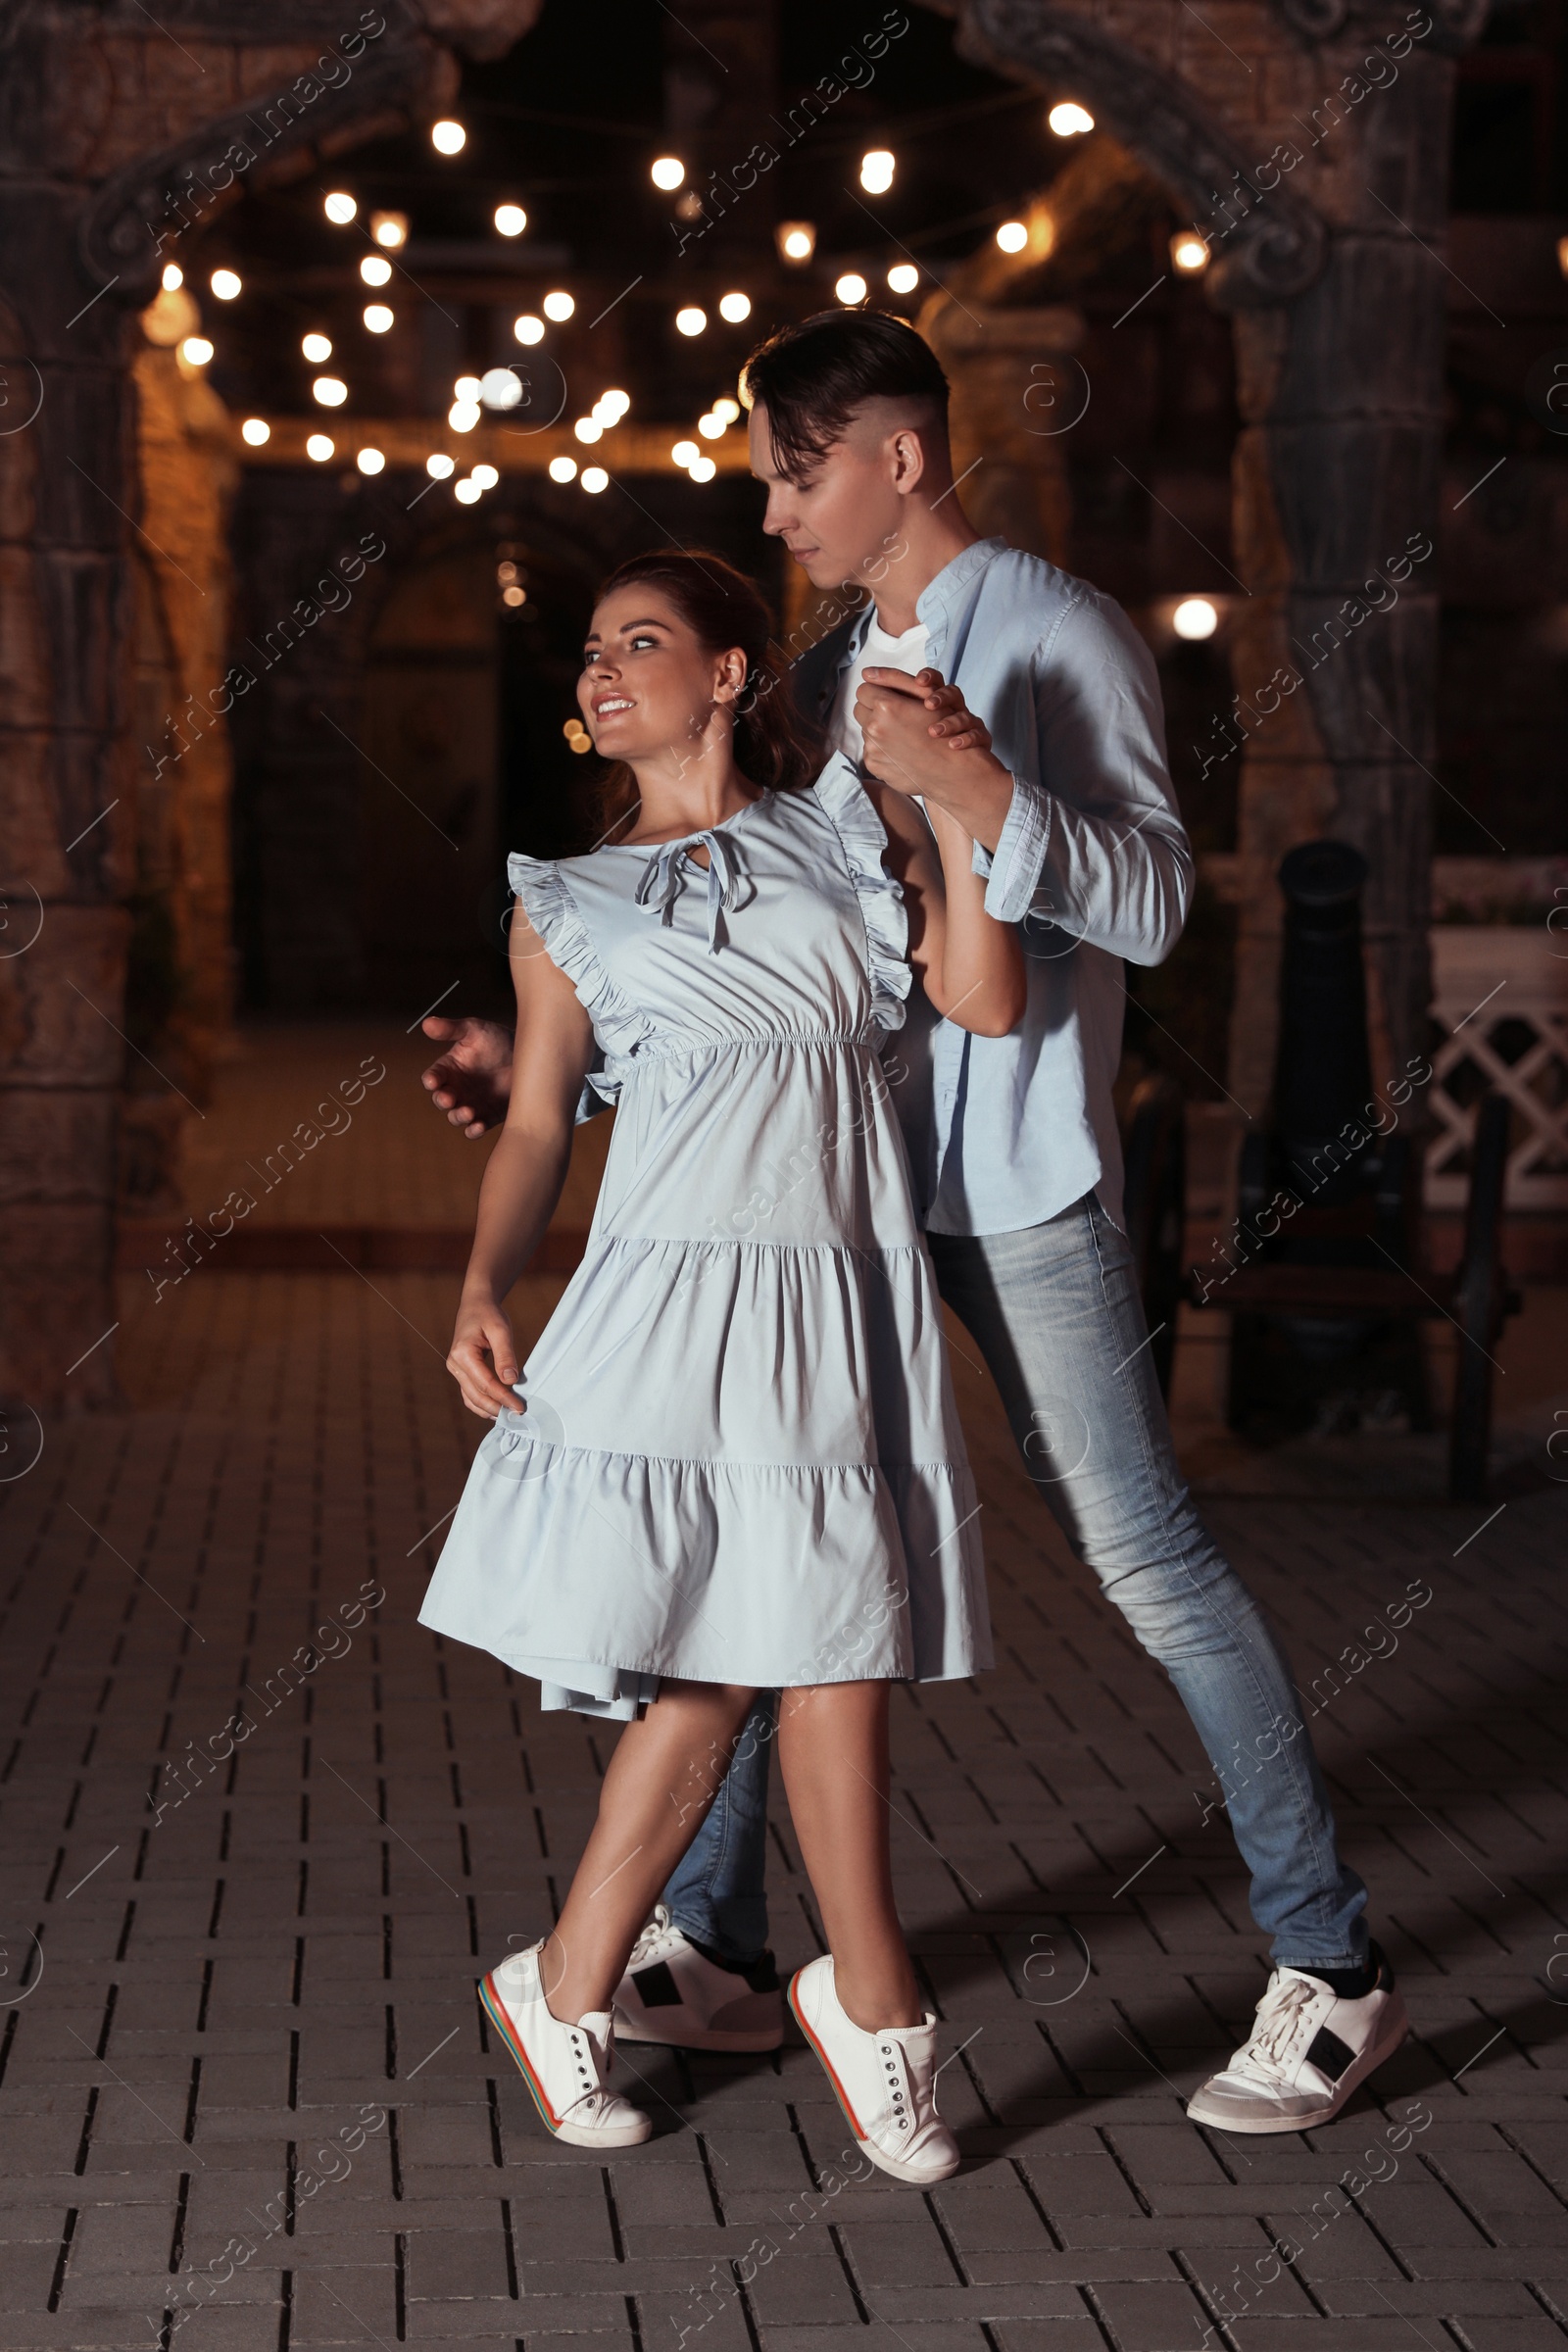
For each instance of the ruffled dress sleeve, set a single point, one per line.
(863, 838)
(548, 905)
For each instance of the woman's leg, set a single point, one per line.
(833, 1753)
(662, 1779)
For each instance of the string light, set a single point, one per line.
(611, 406)
(500, 388)
(1194, 618)
(340, 207)
(1012, 236)
(510, 220)
(330, 390)
(529, 328)
(375, 270)
(371, 461)
(390, 229)
(319, 447)
(595, 479)
(702, 469)
(666, 171)
(377, 318)
(439, 466)
(876, 172)
(850, 288)
(685, 453)
(1187, 252)
(588, 429)
(1069, 120)
(174, 278)
(513, 595)
(448, 137)
(903, 277)
(466, 492)
(226, 284)
(726, 408)
(577, 735)
(464, 415)
(485, 475)
(256, 430)
(710, 426)
(795, 241)
(735, 307)
(691, 321)
(558, 305)
(317, 348)
(196, 350)
(563, 469)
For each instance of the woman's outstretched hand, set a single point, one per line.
(913, 728)
(471, 1079)
(483, 1357)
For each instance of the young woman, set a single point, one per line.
(736, 1465)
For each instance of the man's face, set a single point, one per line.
(841, 515)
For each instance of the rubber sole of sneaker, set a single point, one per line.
(1221, 2115)
(914, 2175)
(627, 2137)
(699, 2037)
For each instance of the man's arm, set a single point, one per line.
(471, 1079)
(1097, 847)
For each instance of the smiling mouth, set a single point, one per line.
(612, 705)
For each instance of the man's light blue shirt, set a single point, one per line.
(1091, 863)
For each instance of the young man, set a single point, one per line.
(1064, 790)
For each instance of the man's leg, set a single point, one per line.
(1056, 1311)
(717, 1896)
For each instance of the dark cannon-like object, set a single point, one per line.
(1324, 1273)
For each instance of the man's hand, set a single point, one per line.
(471, 1081)
(919, 739)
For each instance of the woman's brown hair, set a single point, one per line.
(774, 746)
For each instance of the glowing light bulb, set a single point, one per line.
(588, 429)
(1069, 120)
(514, 595)
(468, 387)
(439, 466)
(371, 461)
(510, 220)
(903, 277)
(1187, 252)
(330, 390)
(174, 278)
(464, 415)
(685, 452)
(611, 406)
(726, 408)
(595, 479)
(1194, 618)
(226, 284)
(340, 207)
(702, 469)
(710, 426)
(485, 475)
(850, 288)
(797, 240)
(666, 171)
(466, 492)
(256, 430)
(317, 348)
(558, 305)
(375, 270)
(448, 137)
(377, 318)
(319, 447)
(563, 469)
(197, 350)
(735, 307)
(876, 172)
(1012, 236)
(390, 229)
(691, 321)
(529, 328)
(500, 388)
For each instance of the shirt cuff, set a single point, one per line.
(1013, 869)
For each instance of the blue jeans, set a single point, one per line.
(1054, 1310)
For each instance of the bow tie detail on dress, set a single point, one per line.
(663, 880)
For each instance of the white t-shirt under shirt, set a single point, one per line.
(879, 652)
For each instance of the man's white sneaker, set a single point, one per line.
(672, 1993)
(885, 2081)
(563, 2065)
(1309, 2049)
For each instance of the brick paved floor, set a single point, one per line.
(252, 2057)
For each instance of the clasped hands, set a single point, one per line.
(921, 738)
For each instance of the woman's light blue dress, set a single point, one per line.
(738, 1459)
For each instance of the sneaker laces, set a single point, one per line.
(653, 1934)
(1278, 2023)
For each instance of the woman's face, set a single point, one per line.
(648, 684)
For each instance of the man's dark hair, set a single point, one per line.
(812, 378)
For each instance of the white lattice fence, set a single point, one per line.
(1500, 997)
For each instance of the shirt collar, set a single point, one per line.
(938, 596)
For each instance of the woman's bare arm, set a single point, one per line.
(971, 965)
(526, 1169)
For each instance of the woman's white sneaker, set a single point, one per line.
(673, 1993)
(1309, 2049)
(563, 2065)
(885, 2081)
